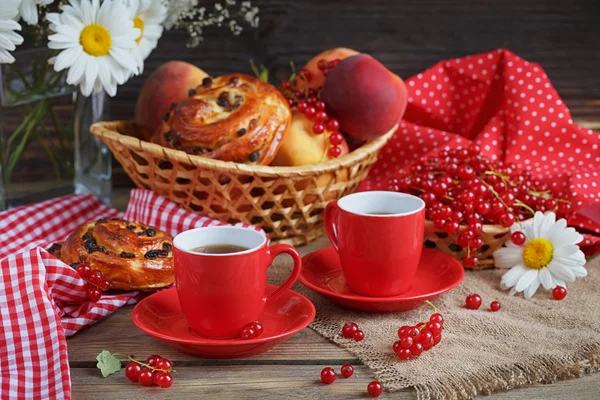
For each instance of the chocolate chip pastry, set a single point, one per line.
(131, 255)
(231, 118)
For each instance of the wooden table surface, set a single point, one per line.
(288, 371)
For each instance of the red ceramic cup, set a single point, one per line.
(220, 293)
(379, 252)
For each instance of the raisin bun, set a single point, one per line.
(231, 118)
(131, 255)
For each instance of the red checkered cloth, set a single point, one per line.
(43, 301)
(509, 107)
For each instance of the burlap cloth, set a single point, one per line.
(528, 341)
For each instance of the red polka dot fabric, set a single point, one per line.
(509, 107)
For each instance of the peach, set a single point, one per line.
(169, 83)
(317, 77)
(300, 146)
(366, 97)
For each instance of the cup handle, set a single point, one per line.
(330, 221)
(273, 252)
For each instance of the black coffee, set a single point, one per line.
(379, 213)
(219, 249)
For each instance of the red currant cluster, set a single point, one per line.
(421, 337)
(328, 376)
(473, 302)
(251, 330)
(464, 190)
(308, 102)
(350, 330)
(156, 370)
(96, 282)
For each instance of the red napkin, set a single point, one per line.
(509, 107)
(42, 300)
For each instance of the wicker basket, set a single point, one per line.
(287, 202)
(493, 237)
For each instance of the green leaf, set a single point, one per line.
(264, 74)
(108, 363)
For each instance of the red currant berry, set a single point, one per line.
(94, 294)
(452, 227)
(414, 332)
(396, 346)
(322, 64)
(153, 360)
(435, 328)
(495, 306)
(132, 371)
(406, 342)
(164, 363)
(374, 389)
(96, 278)
(334, 151)
(247, 333)
(476, 228)
(310, 112)
(257, 328)
(518, 238)
(465, 172)
(426, 338)
(320, 105)
(333, 125)
(470, 262)
(104, 285)
(403, 331)
(302, 106)
(507, 219)
(328, 375)
(474, 150)
(321, 116)
(336, 138)
(483, 207)
(84, 270)
(349, 329)
(437, 339)
(145, 377)
(437, 317)
(286, 84)
(306, 73)
(163, 380)
(318, 128)
(416, 349)
(347, 370)
(464, 238)
(476, 243)
(559, 293)
(403, 354)
(473, 301)
(358, 335)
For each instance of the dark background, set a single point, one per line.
(407, 36)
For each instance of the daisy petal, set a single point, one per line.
(533, 287)
(546, 223)
(508, 257)
(579, 272)
(527, 279)
(566, 251)
(546, 279)
(561, 272)
(555, 231)
(510, 278)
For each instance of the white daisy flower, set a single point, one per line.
(95, 42)
(549, 257)
(177, 8)
(9, 39)
(148, 16)
(28, 10)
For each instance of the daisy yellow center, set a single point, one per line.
(139, 23)
(96, 40)
(537, 253)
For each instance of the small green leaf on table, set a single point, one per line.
(108, 363)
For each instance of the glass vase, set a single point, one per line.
(46, 149)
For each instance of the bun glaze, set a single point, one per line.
(131, 255)
(231, 118)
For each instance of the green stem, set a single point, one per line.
(49, 152)
(151, 368)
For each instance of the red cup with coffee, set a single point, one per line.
(221, 274)
(379, 237)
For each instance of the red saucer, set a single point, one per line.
(437, 274)
(160, 315)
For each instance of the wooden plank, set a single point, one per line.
(287, 382)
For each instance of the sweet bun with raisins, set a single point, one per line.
(233, 117)
(131, 255)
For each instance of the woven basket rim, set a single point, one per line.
(107, 130)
